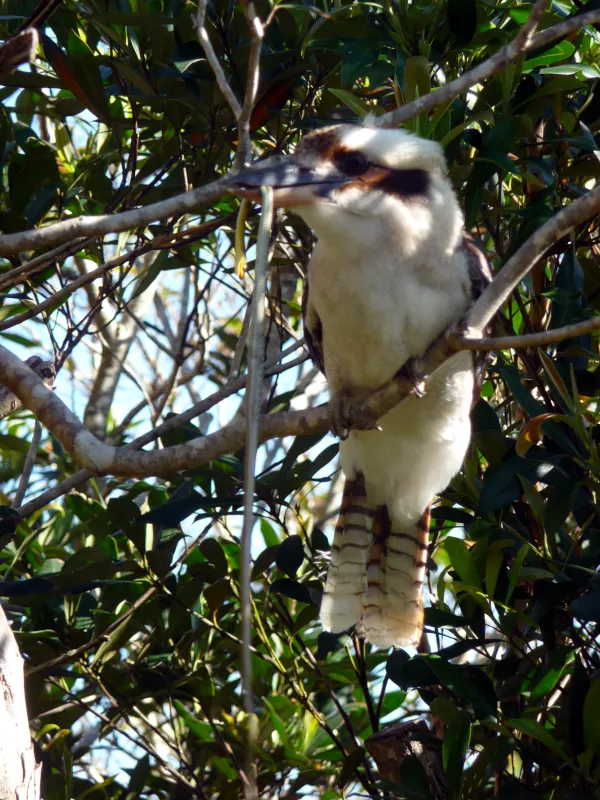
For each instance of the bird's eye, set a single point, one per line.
(352, 163)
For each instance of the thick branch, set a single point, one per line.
(9, 402)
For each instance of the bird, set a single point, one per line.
(391, 270)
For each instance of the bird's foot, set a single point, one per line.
(411, 372)
(346, 413)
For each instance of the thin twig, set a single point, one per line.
(213, 60)
(72, 287)
(253, 403)
(528, 339)
(28, 466)
(19, 273)
(242, 156)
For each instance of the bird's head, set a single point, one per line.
(362, 185)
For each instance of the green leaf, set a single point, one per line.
(213, 552)
(413, 779)
(408, 672)
(461, 559)
(559, 52)
(515, 571)
(532, 728)
(470, 685)
(455, 749)
(439, 618)
(263, 561)
(87, 74)
(553, 672)
(353, 102)
(202, 730)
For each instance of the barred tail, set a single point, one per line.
(346, 580)
(396, 563)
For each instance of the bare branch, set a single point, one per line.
(244, 148)
(109, 223)
(527, 340)
(505, 56)
(213, 60)
(28, 466)
(252, 406)
(523, 38)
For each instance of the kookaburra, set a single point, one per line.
(391, 270)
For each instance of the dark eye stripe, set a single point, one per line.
(405, 183)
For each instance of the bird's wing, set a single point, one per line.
(313, 329)
(480, 276)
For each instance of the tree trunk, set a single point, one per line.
(19, 773)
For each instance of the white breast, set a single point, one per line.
(375, 315)
(378, 312)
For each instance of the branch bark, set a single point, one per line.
(102, 459)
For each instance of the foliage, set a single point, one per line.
(124, 594)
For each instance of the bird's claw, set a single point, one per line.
(411, 372)
(345, 415)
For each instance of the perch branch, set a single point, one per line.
(100, 458)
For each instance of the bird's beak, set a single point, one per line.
(292, 184)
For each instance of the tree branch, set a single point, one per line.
(515, 269)
(214, 62)
(527, 340)
(244, 147)
(9, 402)
(100, 458)
(505, 56)
(253, 399)
(109, 223)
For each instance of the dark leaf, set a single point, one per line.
(290, 555)
(455, 749)
(292, 589)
